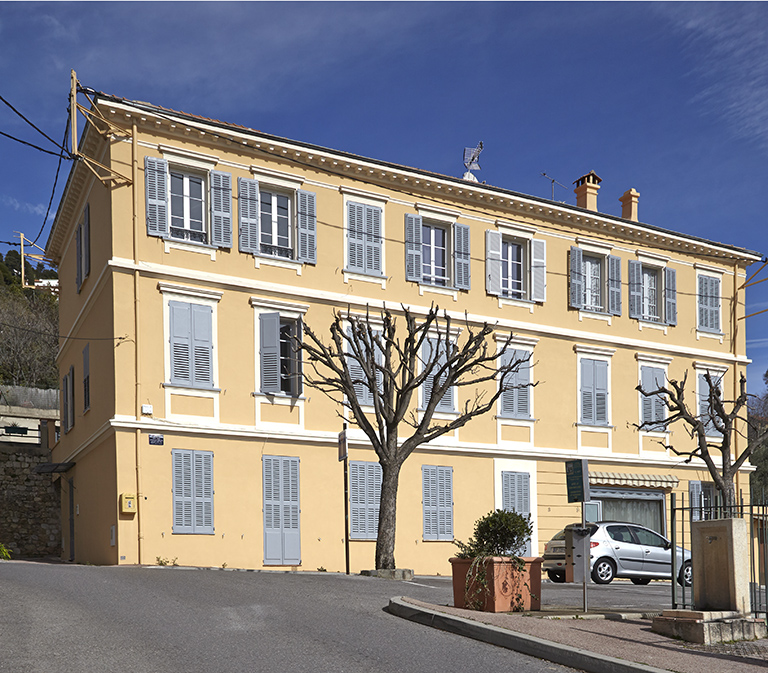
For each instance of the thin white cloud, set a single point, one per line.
(20, 206)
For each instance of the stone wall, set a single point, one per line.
(30, 520)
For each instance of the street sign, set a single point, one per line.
(577, 480)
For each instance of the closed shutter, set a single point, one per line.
(709, 304)
(221, 209)
(86, 241)
(181, 342)
(183, 491)
(705, 411)
(372, 240)
(269, 346)
(461, 256)
(635, 289)
(670, 296)
(248, 207)
(64, 404)
(493, 262)
(515, 401)
(364, 498)
(413, 258)
(437, 500)
(156, 188)
(273, 538)
(282, 531)
(202, 345)
(614, 285)
(653, 408)
(516, 497)
(576, 273)
(307, 227)
(87, 377)
(78, 258)
(646, 381)
(203, 463)
(538, 270)
(355, 237)
(601, 392)
(359, 381)
(434, 351)
(694, 495)
(594, 392)
(71, 393)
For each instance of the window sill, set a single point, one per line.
(520, 303)
(645, 323)
(201, 248)
(279, 262)
(591, 426)
(527, 420)
(193, 532)
(438, 289)
(441, 415)
(365, 278)
(182, 387)
(707, 334)
(442, 539)
(595, 315)
(279, 397)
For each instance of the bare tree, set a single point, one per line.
(371, 362)
(713, 429)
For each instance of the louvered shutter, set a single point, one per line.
(71, 382)
(86, 241)
(493, 262)
(646, 381)
(576, 273)
(523, 397)
(355, 237)
(307, 227)
(654, 409)
(444, 503)
(614, 285)
(461, 256)
(705, 412)
(273, 537)
(372, 240)
(509, 396)
(635, 289)
(221, 209)
(269, 336)
(601, 392)
(87, 376)
(291, 512)
(64, 404)
(433, 350)
(538, 270)
(203, 492)
(588, 391)
(413, 257)
(181, 342)
(365, 498)
(362, 392)
(516, 497)
(694, 494)
(357, 504)
(183, 492)
(78, 258)
(202, 345)
(670, 296)
(429, 501)
(248, 209)
(709, 304)
(156, 188)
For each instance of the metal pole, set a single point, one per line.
(346, 507)
(673, 539)
(587, 563)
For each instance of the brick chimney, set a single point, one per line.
(586, 190)
(629, 204)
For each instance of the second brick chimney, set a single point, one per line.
(586, 190)
(629, 204)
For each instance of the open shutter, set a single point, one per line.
(576, 273)
(670, 296)
(79, 258)
(516, 497)
(269, 336)
(601, 392)
(202, 345)
(614, 285)
(156, 188)
(461, 256)
(221, 209)
(203, 495)
(307, 227)
(86, 241)
(413, 259)
(248, 208)
(355, 237)
(64, 404)
(493, 262)
(538, 270)
(87, 377)
(273, 538)
(71, 381)
(181, 342)
(694, 495)
(291, 512)
(372, 240)
(183, 511)
(635, 289)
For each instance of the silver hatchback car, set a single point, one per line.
(619, 549)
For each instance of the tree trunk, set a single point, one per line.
(385, 542)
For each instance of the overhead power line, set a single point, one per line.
(42, 133)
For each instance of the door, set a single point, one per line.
(282, 536)
(626, 552)
(657, 553)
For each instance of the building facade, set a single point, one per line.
(186, 269)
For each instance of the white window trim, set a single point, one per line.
(448, 288)
(276, 179)
(442, 216)
(515, 230)
(188, 159)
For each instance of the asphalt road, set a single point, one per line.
(86, 619)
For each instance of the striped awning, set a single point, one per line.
(632, 480)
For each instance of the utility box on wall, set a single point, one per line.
(127, 503)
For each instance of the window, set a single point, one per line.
(191, 330)
(364, 499)
(192, 492)
(364, 238)
(68, 400)
(515, 267)
(83, 247)
(516, 401)
(437, 254)
(594, 392)
(653, 409)
(194, 206)
(434, 351)
(706, 410)
(516, 497)
(277, 223)
(595, 282)
(709, 303)
(87, 377)
(703, 500)
(644, 507)
(652, 293)
(279, 355)
(437, 498)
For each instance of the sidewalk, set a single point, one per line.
(601, 643)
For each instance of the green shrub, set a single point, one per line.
(5, 553)
(499, 533)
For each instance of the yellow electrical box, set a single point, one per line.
(127, 503)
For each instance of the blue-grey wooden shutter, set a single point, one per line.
(181, 342)
(515, 402)
(291, 512)
(183, 492)
(307, 227)
(538, 270)
(509, 396)
(576, 272)
(461, 256)
(355, 237)
(413, 256)
(364, 498)
(372, 240)
(273, 511)
(269, 333)
(516, 497)
(694, 495)
(64, 404)
(601, 392)
(202, 345)
(646, 381)
(429, 500)
(203, 489)
(87, 377)
(71, 397)
(709, 304)
(156, 188)
(670, 296)
(588, 391)
(614, 285)
(221, 209)
(434, 350)
(362, 391)
(652, 378)
(87, 241)
(705, 411)
(78, 258)
(248, 207)
(444, 503)
(493, 262)
(635, 289)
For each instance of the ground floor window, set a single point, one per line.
(643, 507)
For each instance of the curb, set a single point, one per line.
(519, 642)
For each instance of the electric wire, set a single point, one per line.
(119, 339)
(45, 135)
(55, 182)
(24, 142)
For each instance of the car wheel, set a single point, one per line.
(685, 578)
(603, 571)
(642, 581)
(556, 576)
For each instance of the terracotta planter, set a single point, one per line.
(508, 590)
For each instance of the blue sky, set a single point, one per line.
(668, 98)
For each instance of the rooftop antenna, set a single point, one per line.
(471, 155)
(553, 181)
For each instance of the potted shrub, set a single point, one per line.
(15, 429)
(489, 574)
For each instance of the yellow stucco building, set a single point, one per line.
(186, 432)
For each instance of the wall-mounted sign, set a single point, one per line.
(156, 440)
